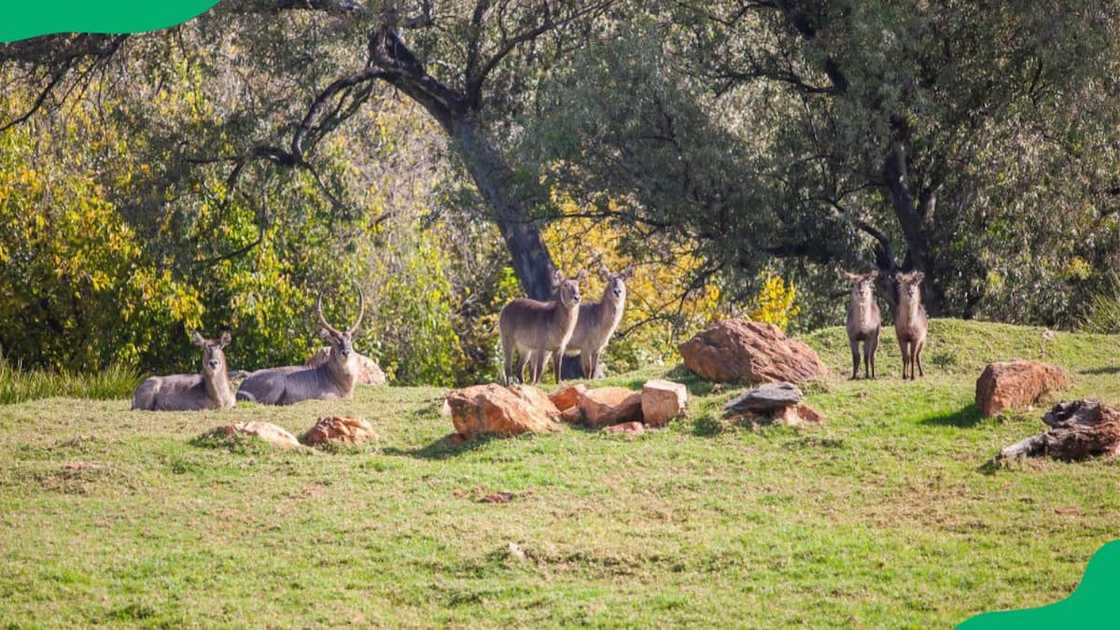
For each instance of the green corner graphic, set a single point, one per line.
(31, 18)
(1089, 606)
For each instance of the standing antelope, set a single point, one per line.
(910, 321)
(333, 379)
(208, 389)
(598, 321)
(864, 321)
(533, 329)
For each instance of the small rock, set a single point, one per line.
(497, 497)
(516, 552)
(339, 430)
(266, 431)
(1016, 385)
(662, 401)
(797, 415)
(632, 428)
(764, 399)
(610, 405)
(567, 397)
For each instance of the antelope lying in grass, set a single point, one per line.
(598, 321)
(333, 379)
(532, 329)
(208, 389)
(864, 321)
(910, 321)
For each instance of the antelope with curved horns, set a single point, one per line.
(333, 379)
(209, 389)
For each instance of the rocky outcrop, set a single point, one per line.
(736, 350)
(662, 401)
(339, 430)
(1016, 385)
(501, 411)
(773, 403)
(369, 373)
(1078, 430)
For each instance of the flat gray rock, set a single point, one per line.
(764, 398)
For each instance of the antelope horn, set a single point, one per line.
(322, 319)
(361, 309)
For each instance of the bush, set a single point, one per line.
(16, 385)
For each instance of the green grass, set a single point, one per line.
(885, 516)
(17, 385)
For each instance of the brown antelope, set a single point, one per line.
(532, 329)
(208, 389)
(335, 378)
(598, 321)
(910, 321)
(864, 321)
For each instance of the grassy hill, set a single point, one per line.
(885, 516)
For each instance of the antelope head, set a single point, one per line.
(568, 289)
(863, 285)
(909, 286)
(213, 355)
(615, 282)
(341, 341)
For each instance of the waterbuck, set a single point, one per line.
(598, 321)
(910, 321)
(532, 329)
(335, 378)
(208, 389)
(864, 321)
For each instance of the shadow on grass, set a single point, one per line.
(707, 425)
(1102, 370)
(696, 385)
(443, 448)
(965, 417)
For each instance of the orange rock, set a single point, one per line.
(1016, 385)
(495, 410)
(662, 401)
(632, 428)
(610, 405)
(567, 397)
(339, 430)
(268, 432)
(736, 350)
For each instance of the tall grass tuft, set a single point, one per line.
(1104, 311)
(17, 385)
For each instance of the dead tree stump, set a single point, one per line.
(1078, 430)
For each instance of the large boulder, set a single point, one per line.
(265, 431)
(339, 430)
(736, 350)
(662, 401)
(495, 410)
(1078, 430)
(1016, 385)
(369, 373)
(610, 405)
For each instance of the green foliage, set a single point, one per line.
(1104, 308)
(18, 384)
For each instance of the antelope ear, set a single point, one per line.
(918, 276)
(581, 276)
(899, 277)
(197, 339)
(325, 334)
(873, 275)
(557, 277)
(846, 276)
(604, 273)
(628, 272)
(225, 339)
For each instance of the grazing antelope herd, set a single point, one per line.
(532, 332)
